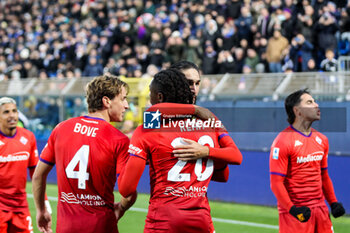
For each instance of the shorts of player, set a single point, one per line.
(76, 218)
(163, 219)
(15, 222)
(319, 222)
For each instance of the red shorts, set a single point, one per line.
(319, 222)
(15, 222)
(167, 219)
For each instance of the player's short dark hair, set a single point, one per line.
(173, 84)
(291, 101)
(104, 85)
(184, 65)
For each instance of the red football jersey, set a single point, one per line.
(17, 153)
(300, 159)
(178, 188)
(88, 153)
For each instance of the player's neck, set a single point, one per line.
(303, 126)
(100, 114)
(8, 132)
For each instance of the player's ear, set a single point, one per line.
(105, 101)
(296, 110)
(160, 97)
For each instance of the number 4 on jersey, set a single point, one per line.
(81, 157)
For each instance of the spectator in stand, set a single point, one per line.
(209, 60)
(36, 31)
(325, 30)
(275, 46)
(311, 65)
(330, 64)
(300, 53)
(226, 62)
(251, 60)
(288, 24)
(243, 23)
(93, 68)
(264, 23)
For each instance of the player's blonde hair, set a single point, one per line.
(7, 100)
(106, 85)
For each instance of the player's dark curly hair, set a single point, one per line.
(173, 85)
(291, 101)
(105, 85)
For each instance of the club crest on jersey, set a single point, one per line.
(2, 143)
(318, 140)
(23, 140)
(298, 143)
(151, 120)
(275, 153)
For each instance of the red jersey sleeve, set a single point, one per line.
(48, 154)
(279, 157)
(34, 157)
(324, 162)
(138, 150)
(173, 109)
(228, 150)
(122, 153)
(138, 146)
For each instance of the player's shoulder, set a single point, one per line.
(284, 137)
(24, 132)
(316, 133)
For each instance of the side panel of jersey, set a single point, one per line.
(300, 159)
(88, 153)
(17, 153)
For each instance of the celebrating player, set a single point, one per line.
(298, 170)
(17, 153)
(178, 200)
(85, 198)
(193, 150)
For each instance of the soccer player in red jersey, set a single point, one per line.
(89, 153)
(18, 152)
(178, 200)
(192, 149)
(298, 171)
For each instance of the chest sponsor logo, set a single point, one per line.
(19, 156)
(23, 140)
(297, 143)
(275, 152)
(318, 140)
(134, 149)
(2, 143)
(82, 199)
(316, 156)
(192, 191)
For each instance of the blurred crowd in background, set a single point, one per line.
(66, 39)
(137, 38)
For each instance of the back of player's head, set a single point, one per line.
(7, 100)
(293, 100)
(173, 86)
(184, 65)
(105, 85)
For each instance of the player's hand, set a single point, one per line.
(43, 220)
(119, 210)
(203, 113)
(302, 213)
(192, 151)
(337, 209)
